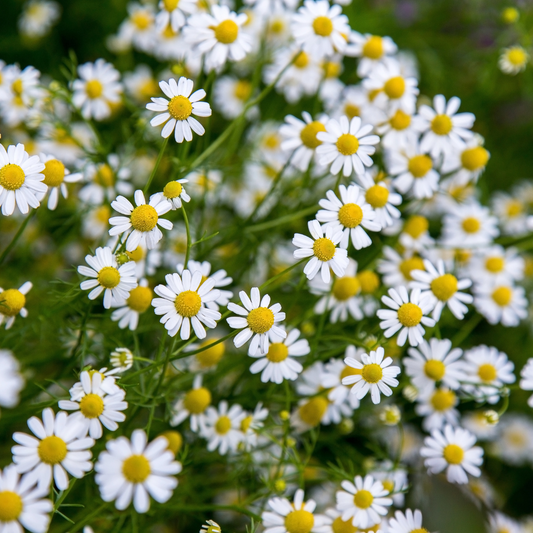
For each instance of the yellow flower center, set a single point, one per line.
(471, 225)
(242, 90)
(323, 26)
(363, 499)
(419, 530)
(139, 299)
(347, 144)
(223, 425)
(302, 60)
(277, 352)
(54, 173)
(17, 87)
(142, 20)
(400, 120)
(510, 15)
(502, 296)
(369, 281)
(372, 373)
(136, 468)
(416, 225)
(94, 89)
(394, 87)
(299, 521)
(109, 277)
(196, 401)
(443, 400)
(474, 158)
(494, 264)
(10, 506)
(271, 141)
(171, 5)
(419, 165)
(174, 440)
(12, 177)
(276, 26)
(343, 526)
(312, 411)
(408, 265)
(324, 249)
(332, 69)
(453, 454)
(52, 450)
(349, 371)
(308, 134)
(260, 320)
(105, 176)
(92, 406)
(144, 218)
(136, 255)
(514, 208)
(388, 485)
(346, 288)
(444, 287)
(350, 215)
(246, 423)
(148, 88)
(373, 48)
(351, 110)
(11, 302)
(226, 32)
(487, 373)
(172, 189)
(211, 356)
(517, 56)
(188, 303)
(377, 196)
(180, 108)
(434, 369)
(441, 125)
(409, 315)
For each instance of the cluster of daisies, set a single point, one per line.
(513, 59)
(400, 248)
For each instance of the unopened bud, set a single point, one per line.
(280, 485)
(122, 258)
(284, 415)
(390, 415)
(491, 417)
(346, 426)
(410, 393)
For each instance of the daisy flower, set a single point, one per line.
(437, 406)
(513, 60)
(221, 427)
(446, 130)
(174, 13)
(394, 479)
(477, 423)
(371, 50)
(526, 383)
(440, 289)
(350, 215)
(408, 522)
(57, 450)
(12, 380)
(116, 281)
(500, 523)
(514, 444)
(452, 450)
(397, 269)
(490, 370)
(95, 407)
(21, 504)
(218, 36)
(295, 517)
(231, 94)
(12, 302)
(375, 375)
(503, 303)
(496, 265)
(183, 303)
(322, 248)
(140, 222)
(277, 364)
(55, 178)
(434, 362)
(398, 129)
(128, 310)
(21, 179)
(210, 527)
(193, 404)
(256, 320)
(133, 469)
(177, 112)
(346, 145)
(174, 193)
(512, 213)
(467, 164)
(251, 425)
(140, 84)
(415, 235)
(121, 359)
(97, 89)
(364, 501)
(38, 18)
(406, 316)
(138, 28)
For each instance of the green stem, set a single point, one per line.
(187, 229)
(280, 221)
(154, 170)
(16, 237)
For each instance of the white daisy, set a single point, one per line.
(500, 523)
(397, 128)
(21, 179)
(121, 359)
(406, 316)
(415, 235)
(56, 176)
(177, 112)
(231, 94)
(221, 427)
(514, 444)
(38, 18)
(174, 193)
(141, 84)
(277, 364)
(376, 375)
(210, 527)
(128, 310)
(322, 249)
(136, 470)
(193, 404)
(452, 450)
(371, 51)
(137, 29)
(408, 522)
(364, 501)
(350, 215)
(496, 265)
(257, 320)
(174, 13)
(12, 302)
(116, 281)
(501, 303)
(513, 60)
(346, 145)
(512, 213)
(477, 423)
(394, 479)
(56, 450)
(467, 164)
(97, 89)
(396, 269)
(251, 425)
(12, 380)
(437, 406)
(526, 383)
(183, 303)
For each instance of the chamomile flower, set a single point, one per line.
(415, 236)
(12, 380)
(375, 377)
(452, 450)
(350, 215)
(397, 269)
(177, 112)
(346, 145)
(433, 362)
(174, 13)
(500, 523)
(437, 406)
(512, 213)
(322, 248)
(256, 320)
(398, 129)
(115, 281)
(12, 303)
(121, 359)
(141, 84)
(513, 60)
(96, 407)
(231, 94)
(364, 501)
(193, 404)
(55, 450)
(250, 426)
(21, 504)
(467, 164)
(128, 310)
(210, 527)
(408, 522)
(502, 302)
(371, 50)
(394, 478)
(277, 364)
(97, 89)
(221, 427)
(129, 470)
(21, 178)
(407, 315)
(38, 18)
(295, 517)
(496, 265)
(183, 303)
(174, 193)
(514, 444)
